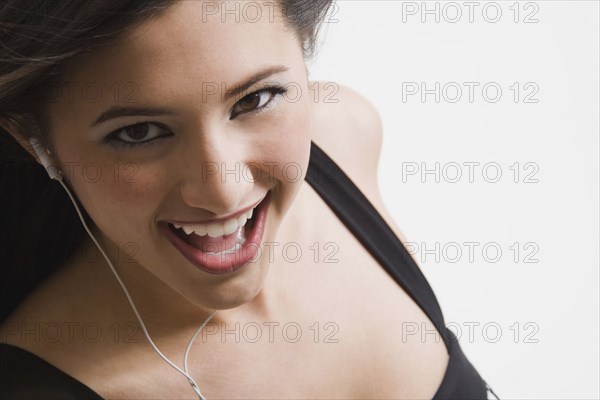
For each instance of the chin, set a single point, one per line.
(229, 294)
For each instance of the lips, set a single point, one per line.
(223, 254)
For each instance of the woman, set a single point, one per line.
(200, 155)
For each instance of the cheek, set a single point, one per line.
(133, 188)
(288, 146)
(119, 192)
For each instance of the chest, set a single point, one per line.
(354, 355)
(351, 332)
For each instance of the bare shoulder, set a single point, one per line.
(349, 129)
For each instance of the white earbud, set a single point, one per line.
(45, 159)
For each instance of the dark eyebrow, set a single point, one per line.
(115, 112)
(240, 87)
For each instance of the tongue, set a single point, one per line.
(209, 244)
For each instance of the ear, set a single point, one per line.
(16, 131)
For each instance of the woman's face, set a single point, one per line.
(194, 153)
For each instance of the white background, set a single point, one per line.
(376, 48)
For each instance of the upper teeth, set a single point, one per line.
(217, 229)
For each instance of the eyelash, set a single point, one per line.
(113, 140)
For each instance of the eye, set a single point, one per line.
(257, 100)
(134, 135)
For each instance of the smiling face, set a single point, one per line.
(194, 153)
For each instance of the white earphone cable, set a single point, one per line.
(184, 373)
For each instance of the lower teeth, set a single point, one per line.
(235, 248)
(240, 240)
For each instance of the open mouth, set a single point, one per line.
(216, 245)
(220, 248)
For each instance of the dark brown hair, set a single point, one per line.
(39, 228)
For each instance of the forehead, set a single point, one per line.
(193, 41)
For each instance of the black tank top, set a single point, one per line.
(24, 375)
(461, 380)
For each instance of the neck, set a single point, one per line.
(164, 312)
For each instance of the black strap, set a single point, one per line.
(24, 375)
(356, 212)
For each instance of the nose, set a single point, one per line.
(213, 178)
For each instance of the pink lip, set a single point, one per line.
(214, 220)
(223, 263)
